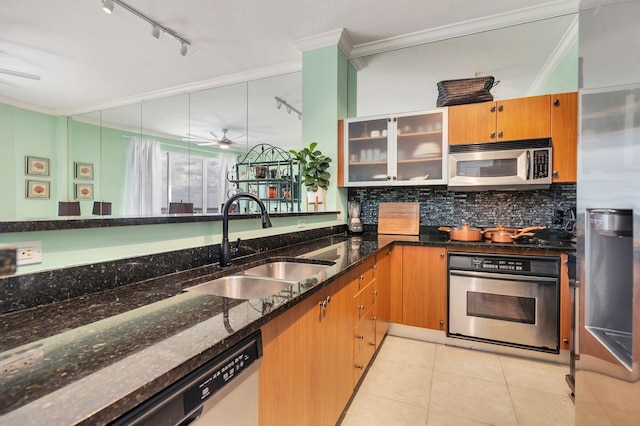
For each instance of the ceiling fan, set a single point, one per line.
(223, 141)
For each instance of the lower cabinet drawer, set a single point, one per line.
(361, 362)
(364, 333)
(363, 301)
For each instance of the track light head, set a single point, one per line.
(278, 104)
(155, 32)
(184, 49)
(288, 110)
(107, 6)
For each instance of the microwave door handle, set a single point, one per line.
(528, 164)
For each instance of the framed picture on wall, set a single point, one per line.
(84, 171)
(37, 166)
(84, 191)
(37, 189)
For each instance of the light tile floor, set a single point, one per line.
(420, 383)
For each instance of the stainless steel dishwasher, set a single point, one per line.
(224, 391)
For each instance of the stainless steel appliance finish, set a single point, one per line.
(608, 206)
(223, 391)
(516, 165)
(509, 300)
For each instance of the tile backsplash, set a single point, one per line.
(440, 207)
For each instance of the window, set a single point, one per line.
(191, 179)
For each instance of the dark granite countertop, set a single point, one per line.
(103, 353)
(81, 222)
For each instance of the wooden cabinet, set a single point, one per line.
(384, 268)
(424, 287)
(507, 120)
(306, 373)
(564, 135)
(402, 149)
(364, 319)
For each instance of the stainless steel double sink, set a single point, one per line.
(261, 281)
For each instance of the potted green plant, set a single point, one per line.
(314, 170)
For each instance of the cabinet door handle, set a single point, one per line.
(374, 292)
(325, 302)
(360, 337)
(361, 307)
(492, 135)
(395, 178)
(556, 174)
(372, 344)
(374, 318)
(500, 134)
(388, 177)
(441, 254)
(493, 108)
(500, 107)
(361, 277)
(556, 102)
(359, 366)
(374, 267)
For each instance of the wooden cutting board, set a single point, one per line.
(399, 218)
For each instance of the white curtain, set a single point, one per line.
(227, 161)
(144, 179)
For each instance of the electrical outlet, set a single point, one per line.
(28, 252)
(22, 361)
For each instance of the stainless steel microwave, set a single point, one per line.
(507, 166)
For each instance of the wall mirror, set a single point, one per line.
(189, 129)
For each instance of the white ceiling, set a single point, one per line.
(89, 60)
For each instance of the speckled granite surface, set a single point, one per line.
(52, 224)
(105, 352)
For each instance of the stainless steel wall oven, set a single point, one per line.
(505, 299)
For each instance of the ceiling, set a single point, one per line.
(89, 60)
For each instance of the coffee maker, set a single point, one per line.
(354, 223)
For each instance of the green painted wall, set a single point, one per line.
(328, 95)
(86, 246)
(27, 133)
(565, 77)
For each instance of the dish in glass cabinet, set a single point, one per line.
(425, 177)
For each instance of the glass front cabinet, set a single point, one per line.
(398, 149)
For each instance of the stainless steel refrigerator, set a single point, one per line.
(607, 345)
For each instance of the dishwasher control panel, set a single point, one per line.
(218, 376)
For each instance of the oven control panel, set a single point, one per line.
(491, 264)
(524, 265)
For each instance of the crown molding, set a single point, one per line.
(568, 39)
(330, 38)
(474, 26)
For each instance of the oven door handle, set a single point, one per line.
(500, 276)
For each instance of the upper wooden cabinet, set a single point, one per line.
(564, 135)
(508, 120)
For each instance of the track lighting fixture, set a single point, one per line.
(107, 6)
(289, 108)
(156, 28)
